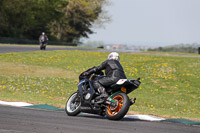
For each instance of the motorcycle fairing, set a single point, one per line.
(85, 87)
(121, 81)
(128, 84)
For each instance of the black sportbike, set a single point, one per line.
(43, 44)
(87, 100)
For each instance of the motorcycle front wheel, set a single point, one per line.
(72, 107)
(122, 107)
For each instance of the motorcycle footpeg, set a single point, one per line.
(100, 101)
(132, 101)
(98, 98)
(92, 101)
(97, 105)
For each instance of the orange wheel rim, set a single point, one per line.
(119, 106)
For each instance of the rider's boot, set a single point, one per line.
(102, 91)
(103, 95)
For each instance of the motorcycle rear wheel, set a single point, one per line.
(122, 107)
(73, 104)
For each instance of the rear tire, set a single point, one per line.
(72, 107)
(121, 109)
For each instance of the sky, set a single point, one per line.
(150, 22)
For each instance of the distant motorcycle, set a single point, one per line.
(87, 100)
(43, 43)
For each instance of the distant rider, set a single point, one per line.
(113, 70)
(43, 38)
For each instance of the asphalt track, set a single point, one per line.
(26, 120)
(22, 48)
(13, 49)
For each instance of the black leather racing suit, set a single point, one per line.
(113, 71)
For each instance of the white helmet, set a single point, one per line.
(43, 33)
(113, 56)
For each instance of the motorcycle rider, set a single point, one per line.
(113, 70)
(43, 38)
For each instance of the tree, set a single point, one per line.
(67, 20)
(26, 18)
(78, 19)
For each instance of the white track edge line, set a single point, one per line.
(17, 104)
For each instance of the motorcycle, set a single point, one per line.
(87, 100)
(43, 44)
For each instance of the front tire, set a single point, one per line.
(122, 107)
(73, 105)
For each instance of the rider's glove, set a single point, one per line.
(85, 73)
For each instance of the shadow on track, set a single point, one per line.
(102, 117)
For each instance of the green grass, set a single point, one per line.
(170, 85)
(172, 53)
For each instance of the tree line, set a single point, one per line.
(183, 48)
(62, 20)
